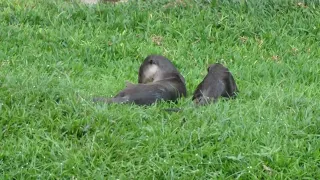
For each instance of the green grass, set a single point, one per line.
(52, 51)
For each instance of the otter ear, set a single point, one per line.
(208, 69)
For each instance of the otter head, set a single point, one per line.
(216, 66)
(154, 68)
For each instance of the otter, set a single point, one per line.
(154, 67)
(158, 80)
(219, 82)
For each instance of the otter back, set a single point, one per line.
(218, 82)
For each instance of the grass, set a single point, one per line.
(52, 51)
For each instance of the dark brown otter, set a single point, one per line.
(158, 80)
(219, 82)
(154, 67)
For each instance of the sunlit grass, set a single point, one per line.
(53, 53)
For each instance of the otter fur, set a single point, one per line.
(158, 80)
(219, 82)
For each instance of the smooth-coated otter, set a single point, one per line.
(154, 67)
(218, 82)
(158, 80)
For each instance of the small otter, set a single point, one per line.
(218, 82)
(158, 80)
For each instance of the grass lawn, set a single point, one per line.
(53, 51)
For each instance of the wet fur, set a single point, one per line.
(219, 82)
(154, 67)
(158, 80)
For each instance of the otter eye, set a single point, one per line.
(151, 61)
(122, 94)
